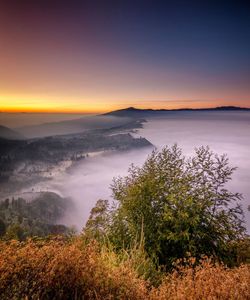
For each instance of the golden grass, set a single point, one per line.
(205, 281)
(59, 269)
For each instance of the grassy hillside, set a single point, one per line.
(75, 269)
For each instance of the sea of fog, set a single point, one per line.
(223, 132)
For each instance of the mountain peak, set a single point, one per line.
(130, 108)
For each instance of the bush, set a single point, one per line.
(181, 204)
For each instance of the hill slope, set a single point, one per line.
(7, 133)
(72, 126)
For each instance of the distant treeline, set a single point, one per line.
(52, 150)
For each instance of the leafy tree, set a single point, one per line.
(98, 221)
(182, 206)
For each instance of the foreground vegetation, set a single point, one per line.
(174, 232)
(74, 269)
(182, 206)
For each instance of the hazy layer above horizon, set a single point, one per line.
(14, 120)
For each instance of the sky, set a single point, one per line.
(96, 56)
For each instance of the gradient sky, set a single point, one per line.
(93, 56)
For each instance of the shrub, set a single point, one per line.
(181, 204)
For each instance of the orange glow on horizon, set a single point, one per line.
(96, 111)
(31, 104)
(47, 110)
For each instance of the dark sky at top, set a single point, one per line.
(114, 53)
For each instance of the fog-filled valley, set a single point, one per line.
(227, 133)
(118, 145)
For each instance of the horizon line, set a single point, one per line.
(42, 111)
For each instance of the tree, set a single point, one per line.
(181, 205)
(98, 221)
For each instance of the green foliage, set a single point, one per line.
(15, 232)
(181, 204)
(20, 219)
(240, 252)
(98, 221)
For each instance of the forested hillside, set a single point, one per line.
(20, 219)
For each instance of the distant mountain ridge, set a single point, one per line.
(137, 112)
(122, 117)
(72, 126)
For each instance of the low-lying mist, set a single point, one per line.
(91, 180)
(223, 132)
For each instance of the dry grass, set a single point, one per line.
(205, 281)
(59, 269)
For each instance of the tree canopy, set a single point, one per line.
(181, 205)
